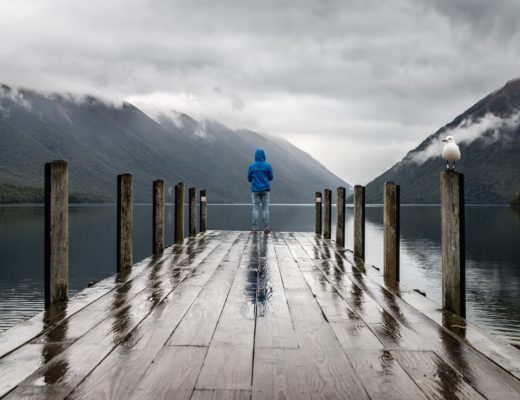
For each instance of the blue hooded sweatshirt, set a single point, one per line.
(260, 173)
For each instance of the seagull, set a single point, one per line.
(450, 152)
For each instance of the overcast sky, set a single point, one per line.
(357, 84)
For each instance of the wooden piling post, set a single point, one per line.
(328, 214)
(391, 231)
(203, 217)
(124, 222)
(317, 201)
(158, 217)
(359, 222)
(453, 242)
(56, 235)
(192, 211)
(340, 213)
(179, 213)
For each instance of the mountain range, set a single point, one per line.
(488, 134)
(101, 140)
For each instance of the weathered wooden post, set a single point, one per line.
(124, 222)
(179, 213)
(391, 231)
(453, 242)
(340, 213)
(317, 201)
(56, 236)
(158, 217)
(359, 222)
(192, 211)
(328, 214)
(203, 222)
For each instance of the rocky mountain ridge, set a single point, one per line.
(101, 140)
(488, 134)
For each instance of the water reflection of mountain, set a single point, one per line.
(515, 210)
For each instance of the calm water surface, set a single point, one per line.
(492, 253)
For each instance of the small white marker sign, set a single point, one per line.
(318, 199)
(203, 199)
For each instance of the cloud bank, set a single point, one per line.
(490, 129)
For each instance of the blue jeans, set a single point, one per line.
(260, 198)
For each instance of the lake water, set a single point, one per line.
(492, 253)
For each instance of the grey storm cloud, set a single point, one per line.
(341, 79)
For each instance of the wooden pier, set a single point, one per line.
(236, 315)
(239, 315)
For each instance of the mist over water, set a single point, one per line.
(492, 253)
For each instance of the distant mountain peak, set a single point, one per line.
(513, 82)
(489, 136)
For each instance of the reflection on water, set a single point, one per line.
(492, 266)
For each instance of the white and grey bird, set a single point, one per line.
(450, 152)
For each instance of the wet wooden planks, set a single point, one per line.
(233, 315)
(402, 327)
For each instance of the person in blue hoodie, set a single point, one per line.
(260, 174)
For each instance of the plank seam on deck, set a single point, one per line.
(139, 269)
(164, 346)
(515, 372)
(140, 275)
(323, 313)
(137, 325)
(316, 277)
(430, 322)
(405, 370)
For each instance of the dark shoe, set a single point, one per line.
(253, 230)
(267, 231)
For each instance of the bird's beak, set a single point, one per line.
(444, 140)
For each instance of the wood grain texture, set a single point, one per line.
(221, 395)
(126, 310)
(402, 326)
(435, 378)
(340, 216)
(328, 214)
(453, 242)
(236, 315)
(173, 374)
(359, 222)
(317, 213)
(96, 297)
(178, 232)
(275, 333)
(383, 377)
(203, 210)
(124, 222)
(281, 374)
(198, 325)
(333, 377)
(391, 231)
(56, 232)
(355, 336)
(227, 367)
(158, 217)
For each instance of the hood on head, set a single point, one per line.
(259, 155)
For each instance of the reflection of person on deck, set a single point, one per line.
(260, 174)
